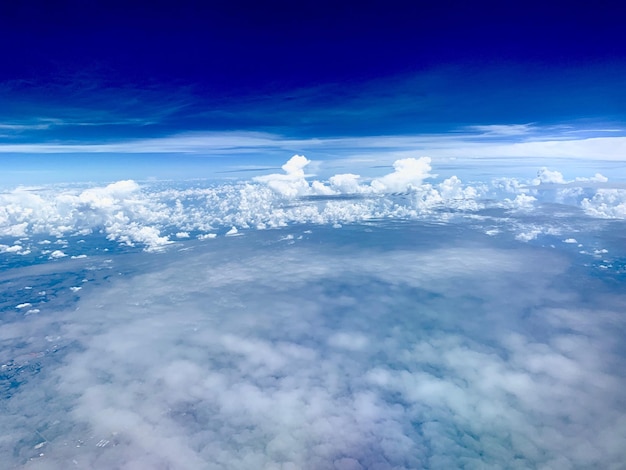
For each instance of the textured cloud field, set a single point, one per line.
(153, 215)
(382, 323)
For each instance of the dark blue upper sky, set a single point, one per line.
(89, 71)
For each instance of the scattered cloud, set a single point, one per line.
(409, 173)
(292, 183)
(57, 254)
(151, 215)
(606, 203)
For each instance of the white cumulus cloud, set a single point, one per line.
(409, 173)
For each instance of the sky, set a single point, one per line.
(192, 88)
(302, 235)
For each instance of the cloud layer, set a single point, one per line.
(154, 215)
(410, 346)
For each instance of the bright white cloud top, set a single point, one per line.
(153, 215)
(400, 320)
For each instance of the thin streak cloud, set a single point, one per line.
(491, 145)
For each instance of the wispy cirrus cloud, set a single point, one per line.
(60, 109)
(489, 144)
(45, 124)
(504, 130)
(24, 127)
(485, 101)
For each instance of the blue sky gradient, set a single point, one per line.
(96, 73)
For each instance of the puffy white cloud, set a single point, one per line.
(521, 202)
(597, 178)
(150, 215)
(207, 236)
(16, 230)
(131, 233)
(118, 208)
(408, 174)
(528, 235)
(293, 182)
(606, 203)
(11, 249)
(545, 175)
(109, 196)
(347, 183)
(295, 165)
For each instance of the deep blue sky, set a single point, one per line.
(97, 72)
